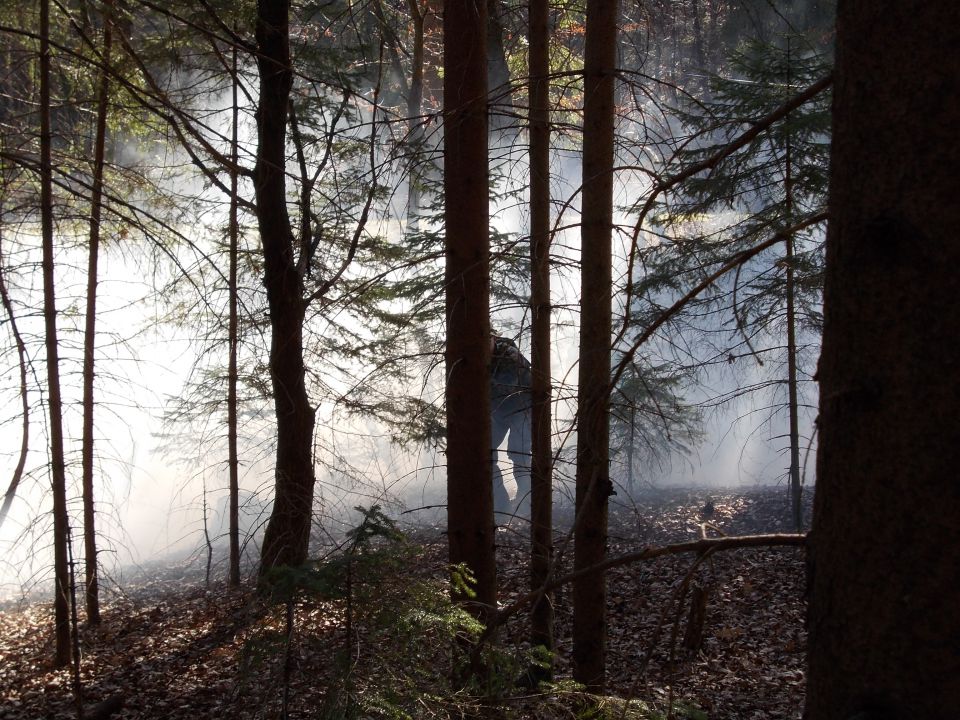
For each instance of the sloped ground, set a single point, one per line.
(171, 648)
(751, 661)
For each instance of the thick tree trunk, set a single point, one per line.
(92, 590)
(593, 485)
(61, 571)
(541, 471)
(287, 536)
(885, 570)
(469, 489)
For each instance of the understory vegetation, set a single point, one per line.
(370, 632)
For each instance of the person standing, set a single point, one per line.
(510, 403)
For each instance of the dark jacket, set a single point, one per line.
(509, 379)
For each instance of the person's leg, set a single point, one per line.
(498, 431)
(518, 450)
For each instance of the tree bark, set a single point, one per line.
(233, 334)
(61, 571)
(593, 485)
(541, 471)
(885, 571)
(414, 121)
(287, 536)
(498, 71)
(796, 489)
(22, 362)
(92, 588)
(469, 488)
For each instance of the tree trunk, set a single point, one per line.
(61, 571)
(287, 536)
(796, 504)
(469, 489)
(541, 472)
(92, 591)
(233, 323)
(414, 121)
(885, 562)
(498, 72)
(22, 363)
(796, 490)
(593, 485)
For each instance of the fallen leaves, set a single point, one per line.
(171, 648)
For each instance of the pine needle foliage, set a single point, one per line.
(751, 195)
(777, 181)
(400, 631)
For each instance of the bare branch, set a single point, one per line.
(701, 547)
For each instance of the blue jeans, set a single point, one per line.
(516, 425)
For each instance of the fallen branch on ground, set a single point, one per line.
(703, 547)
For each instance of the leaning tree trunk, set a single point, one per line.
(593, 485)
(23, 364)
(541, 471)
(287, 535)
(58, 474)
(885, 563)
(469, 489)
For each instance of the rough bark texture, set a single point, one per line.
(287, 535)
(541, 471)
(885, 572)
(593, 428)
(469, 490)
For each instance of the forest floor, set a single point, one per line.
(171, 647)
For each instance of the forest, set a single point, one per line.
(479, 359)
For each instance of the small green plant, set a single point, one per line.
(400, 633)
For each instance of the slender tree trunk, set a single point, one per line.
(699, 56)
(415, 122)
(884, 630)
(541, 475)
(61, 570)
(287, 537)
(469, 488)
(796, 490)
(593, 485)
(232, 456)
(713, 43)
(92, 591)
(498, 72)
(796, 506)
(17, 476)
